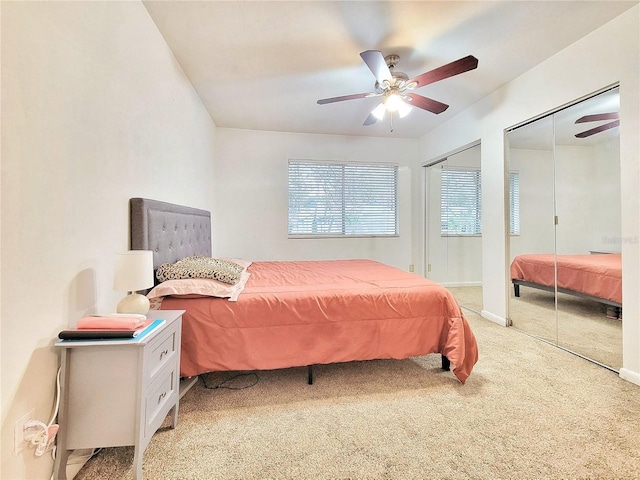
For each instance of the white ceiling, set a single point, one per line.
(262, 65)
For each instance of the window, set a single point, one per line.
(514, 203)
(460, 207)
(342, 199)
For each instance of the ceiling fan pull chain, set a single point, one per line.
(391, 121)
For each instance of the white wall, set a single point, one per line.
(251, 195)
(608, 55)
(95, 110)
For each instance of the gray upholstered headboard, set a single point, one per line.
(171, 231)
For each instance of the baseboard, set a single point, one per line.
(494, 318)
(630, 376)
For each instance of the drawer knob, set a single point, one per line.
(162, 395)
(163, 353)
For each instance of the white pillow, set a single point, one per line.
(203, 287)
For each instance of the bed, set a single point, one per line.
(595, 277)
(300, 314)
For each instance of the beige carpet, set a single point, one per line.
(528, 411)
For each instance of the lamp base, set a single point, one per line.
(134, 303)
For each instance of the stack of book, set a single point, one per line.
(111, 327)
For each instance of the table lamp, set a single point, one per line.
(134, 271)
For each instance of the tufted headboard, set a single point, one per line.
(171, 231)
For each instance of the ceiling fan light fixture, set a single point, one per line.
(394, 102)
(378, 112)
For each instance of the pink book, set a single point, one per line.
(110, 323)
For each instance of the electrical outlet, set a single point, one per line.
(411, 268)
(19, 431)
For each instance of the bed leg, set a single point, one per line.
(516, 289)
(310, 374)
(446, 363)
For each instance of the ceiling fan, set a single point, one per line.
(396, 87)
(597, 118)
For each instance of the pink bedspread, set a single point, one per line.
(596, 275)
(316, 312)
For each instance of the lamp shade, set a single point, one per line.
(134, 271)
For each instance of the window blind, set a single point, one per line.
(460, 202)
(514, 203)
(342, 199)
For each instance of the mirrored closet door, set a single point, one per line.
(453, 233)
(566, 266)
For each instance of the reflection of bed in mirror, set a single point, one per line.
(595, 277)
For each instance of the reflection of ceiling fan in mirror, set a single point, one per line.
(598, 117)
(395, 87)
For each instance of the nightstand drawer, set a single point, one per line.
(160, 399)
(161, 352)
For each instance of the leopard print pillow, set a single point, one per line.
(200, 267)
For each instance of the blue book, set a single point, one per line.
(141, 332)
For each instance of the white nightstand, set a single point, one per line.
(118, 392)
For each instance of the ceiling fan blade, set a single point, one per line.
(345, 97)
(377, 64)
(598, 116)
(599, 129)
(370, 120)
(426, 103)
(449, 70)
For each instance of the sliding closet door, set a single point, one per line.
(588, 205)
(531, 172)
(454, 236)
(437, 245)
(568, 168)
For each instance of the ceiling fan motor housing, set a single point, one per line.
(392, 60)
(397, 78)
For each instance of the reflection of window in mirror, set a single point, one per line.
(514, 203)
(460, 202)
